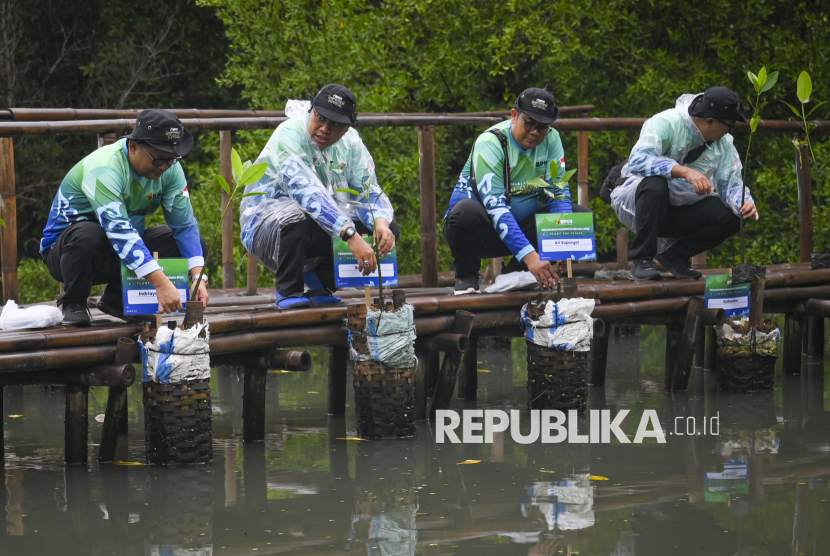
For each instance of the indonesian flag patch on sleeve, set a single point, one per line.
(186, 193)
(562, 162)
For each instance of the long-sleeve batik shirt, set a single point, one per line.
(302, 178)
(103, 188)
(665, 140)
(528, 194)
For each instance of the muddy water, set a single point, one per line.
(759, 486)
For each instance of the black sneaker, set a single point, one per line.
(113, 305)
(678, 266)
(467, 284)
(643, 269)
(75, 313)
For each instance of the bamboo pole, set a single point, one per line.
(582, 166)
(462, 324)
(116, 413)
(8, 213)
(686, 347)
(253, 270)
(805, 200)
(622, 248)
(76, 424)
(429, 226)
(226, 169)
(253, 404)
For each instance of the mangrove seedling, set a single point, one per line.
(762, 82)
(804, 88)
(243, 174)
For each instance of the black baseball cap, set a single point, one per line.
(718, 102)
(162, 130)
(538, 104)
(336, 103)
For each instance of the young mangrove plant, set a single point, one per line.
(804, 88)
(762, 82)
(243, 174)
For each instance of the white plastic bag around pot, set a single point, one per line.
(37, 316)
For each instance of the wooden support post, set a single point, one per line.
(254, 477)
(432, 368)
(226, 169)
(420, 386)
(468, 380)
(253, 405)
(429, 226)
(815, 337)
(805, 200)
(756, 300)
(699, 260)
(622, 247)
(582, 165)
(700, 346)
(673, 335)
(686, 348)
(76, 424)
(8, 213)
(793, 343)
(116, 404)
(463, 324)
(570, 288)
(338, 364)
(253, 270)
(599, 354)
(710, 357)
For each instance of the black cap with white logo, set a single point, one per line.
(162, 130)
(720, 103)
(539, 104)
(336, 103)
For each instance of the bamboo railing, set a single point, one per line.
(107, 124)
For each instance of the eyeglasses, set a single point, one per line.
(159, 162)
(322, 120)
(533, 126)
(730, 127)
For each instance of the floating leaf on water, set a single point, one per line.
(100, 417)
(484, 371)
(469, 461)
(15, 416)
(352, 438)
(598, 478)
(129, 463)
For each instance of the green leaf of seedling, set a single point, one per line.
(762, 105)
(223, 184)
(794, 109)
(816, 106)
(537, 182)
(352, 191)
(2, 223)
(772, 79)
(762, 77)
(804, 87)
(236, 164)
(753, 123)
(567, 175)
(253, 174)
(253, 193)
(753, 79)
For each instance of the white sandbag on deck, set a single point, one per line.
(177, 355)
(390, 338)
(37, 316)
(566, 325)
(732, 342)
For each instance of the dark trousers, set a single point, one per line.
(697, 227)
(83, 257)
(472, 237)
(306, 240)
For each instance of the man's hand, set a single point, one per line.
(384, 237)
(700, 182)
(543, 271)
(166, 292)
(749, 210)
(364, 254)
(202, 294)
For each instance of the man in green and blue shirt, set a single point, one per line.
(494, 221)
(97, 219)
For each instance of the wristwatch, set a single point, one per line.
(348, 233)
(194, 279)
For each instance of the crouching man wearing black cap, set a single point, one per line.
(97, 219)
(684, 182)
(493, 207)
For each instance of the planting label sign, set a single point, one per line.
(140, 295)
(721, 293)
(566, 236)
(347, 274)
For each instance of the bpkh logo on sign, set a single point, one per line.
(721, 293)
(566, 236)
(347, 273)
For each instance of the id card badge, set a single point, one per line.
(566, 236)
(139, 294)
(347, 273)
(721, 293)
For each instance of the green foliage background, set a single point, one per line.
(627, 57)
